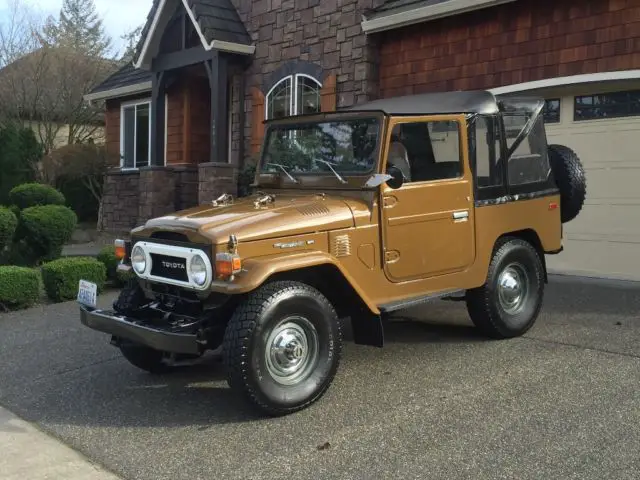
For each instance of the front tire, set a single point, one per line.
(282, 347)
(509, 302)
(144, 358)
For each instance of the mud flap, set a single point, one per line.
(367, 329)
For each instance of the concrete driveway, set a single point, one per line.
(438, 402)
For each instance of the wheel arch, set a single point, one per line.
(531, 236)
(330, 280)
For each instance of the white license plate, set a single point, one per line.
(87, 293)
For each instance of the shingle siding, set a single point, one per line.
(517, 42)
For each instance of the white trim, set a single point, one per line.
(218, 44)
(119, 92)
(152, 30)
(174, 251)
(293, 102)
(135, 103)
(565, 81)
(423, 14)
(232, 47)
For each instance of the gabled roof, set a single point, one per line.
(126, 81)
(400, 13)
(216, 21)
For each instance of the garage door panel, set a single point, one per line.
(598, 258)
(604, 240)
(607, 220)
(612, 185)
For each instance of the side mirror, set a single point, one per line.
(397, 177)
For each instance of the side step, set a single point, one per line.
(452, 295)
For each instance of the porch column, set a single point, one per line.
(157, 118)
(218, 80)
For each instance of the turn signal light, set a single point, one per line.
(553, 206)
(121, 250)
(228, 264)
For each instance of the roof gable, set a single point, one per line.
(217, 24)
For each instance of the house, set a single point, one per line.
(44, 89)
(189, 112)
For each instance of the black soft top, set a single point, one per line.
(480, 102)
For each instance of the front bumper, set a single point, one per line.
(130, 329)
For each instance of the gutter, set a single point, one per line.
(428, 13)
(119, 92)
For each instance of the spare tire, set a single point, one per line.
(570, 179)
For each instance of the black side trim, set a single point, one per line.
(412, 302)
(518, 197)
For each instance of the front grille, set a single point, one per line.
(166, 266)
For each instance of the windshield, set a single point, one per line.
(334, 148)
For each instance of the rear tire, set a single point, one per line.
(282, 347)
(570, 179)
(509, 302)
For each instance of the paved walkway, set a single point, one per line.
(27, 453)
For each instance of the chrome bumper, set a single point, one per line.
(129, 329)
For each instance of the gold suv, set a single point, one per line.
(355, 214)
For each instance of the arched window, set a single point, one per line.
(293, 95)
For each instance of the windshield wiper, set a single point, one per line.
(282, 167)
(342, 180)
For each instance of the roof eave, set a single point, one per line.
(145, 57)
(424, 14)
(127, 90)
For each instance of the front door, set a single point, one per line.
(428, 223)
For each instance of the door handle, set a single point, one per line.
(460, 215)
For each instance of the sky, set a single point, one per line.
(119, 16)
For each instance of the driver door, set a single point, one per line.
(428, 222)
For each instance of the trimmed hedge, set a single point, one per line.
(108, 257)
(8, 225)
(19, 287)
(61, 277)
(35, 194)
(46, 229)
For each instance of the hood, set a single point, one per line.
(285, 215)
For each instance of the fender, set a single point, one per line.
(255, 271)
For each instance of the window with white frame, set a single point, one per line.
(293, 95)
(135, 134)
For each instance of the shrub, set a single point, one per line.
(19, 287)
(61, 277)
(35, 194)
(20, 153)
(245, 178)
(107, 256)
(46, 229)
(8, 224)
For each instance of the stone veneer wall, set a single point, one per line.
(157, 193)
(214, 179)
(121, 198)
(186, 190)
(325, 33)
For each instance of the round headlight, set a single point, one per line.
(198, 270)
(138, 259)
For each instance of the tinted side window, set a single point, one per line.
(432, 149)
(488, 171)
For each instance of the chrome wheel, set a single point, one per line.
(512, 288)
(292, 350)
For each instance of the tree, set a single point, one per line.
(131, 40)
(18, 32)
(19, 154)
(86, 164)
(78, 28)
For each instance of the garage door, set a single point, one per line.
(605, 238)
